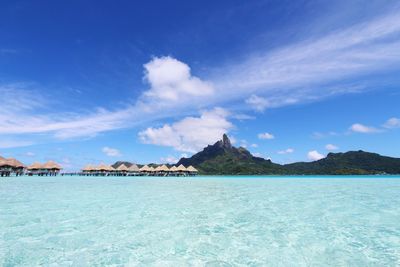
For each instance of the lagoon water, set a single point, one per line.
(203, 221)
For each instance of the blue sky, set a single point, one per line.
(94, 81)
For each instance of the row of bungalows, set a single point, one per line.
(134, 170)
(13, 167)
(10, 167)
(106, 170)
(49, 168)
(163, 170)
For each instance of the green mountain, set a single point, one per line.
(223, 158)
(352, 162)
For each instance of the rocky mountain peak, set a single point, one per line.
(226, 142)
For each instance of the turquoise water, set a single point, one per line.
(213, 221)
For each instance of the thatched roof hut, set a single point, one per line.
(35, 166)
(164, 168)
(181, 168)
(122, 168)
(134, 168)
(103, 167)
(172, 169)
(145, 168)
(157, 169)
(51, 165)
(16, 163)
(191, 169)
(4, 163)
(89, 168)
(11, 162)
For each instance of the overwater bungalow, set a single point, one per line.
(11, 166)
(181, 170)
(52, 168)
(88, 170)
(192, 171)
(5, 168)
(103, 170)
(122, 170)
(172, 171)
(49, 168)
(133, 170)
(35, 168)
(161, 170)
(145, 170)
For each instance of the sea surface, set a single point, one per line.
(202, 221)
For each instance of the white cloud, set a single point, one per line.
(331, 147)
(14, 143)
(257, 103)
(242, 117)
(111, 152)
(190, 134)
(171, 80)
(30, 154)
(169, 160)
(360, 128)
(266, 136)
(319, 135)
(286, 151)
(392, 123)
(315, 155)
(254, 145)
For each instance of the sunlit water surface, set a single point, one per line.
(213, 221)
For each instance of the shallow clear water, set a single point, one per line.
(213, 221)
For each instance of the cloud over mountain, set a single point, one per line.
(191, 133)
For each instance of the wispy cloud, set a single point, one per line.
(7, 143)
(296, 73)
(319, 135)
(257, 103)
(111, 152)
(169, 159)
(309, 70)
(286, 151)
(265, 136)
(392, 123)
(360, 128)
(331, 147)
